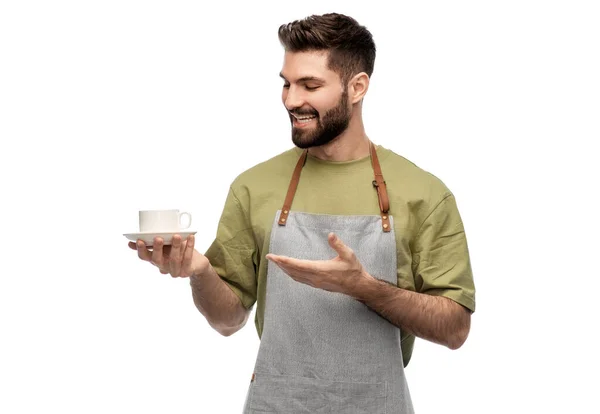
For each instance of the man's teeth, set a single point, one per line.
(306, 118)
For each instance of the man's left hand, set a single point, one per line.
(342, 274)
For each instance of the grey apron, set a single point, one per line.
(325, 352)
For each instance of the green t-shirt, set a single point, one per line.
(432, 252)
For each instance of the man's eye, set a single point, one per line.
(286, 85)
(311, 88)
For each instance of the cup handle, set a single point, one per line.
(189, 220)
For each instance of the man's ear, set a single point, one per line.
(357, 87)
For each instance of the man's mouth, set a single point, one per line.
(301, 120)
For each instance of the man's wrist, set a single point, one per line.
(362, 288)
(200, 272)
(196, 278)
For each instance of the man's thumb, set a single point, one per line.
(336, 244)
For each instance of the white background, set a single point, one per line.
(114, 106)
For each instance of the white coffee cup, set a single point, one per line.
(163, 221)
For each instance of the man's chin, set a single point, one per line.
(311, 142)
(303, 145)
(303, 142)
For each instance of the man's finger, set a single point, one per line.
(282, 266)
(143, 252)
(276, 258)
(338, 245)
(188, 254)
(296, 264)
(175, 256)
(157, 252)
(299, 275)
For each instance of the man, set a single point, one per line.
(348, 249)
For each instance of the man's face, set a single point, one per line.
(316, 101)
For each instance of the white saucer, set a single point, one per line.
(148, 236)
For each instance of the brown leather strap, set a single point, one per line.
(287, 204)
(379, 184)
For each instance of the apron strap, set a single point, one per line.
(287, 204)
(378, 183)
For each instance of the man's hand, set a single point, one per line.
(180, 259)
(341, 274)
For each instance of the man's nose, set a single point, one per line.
(293, 99)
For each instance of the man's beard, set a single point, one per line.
(334, 122)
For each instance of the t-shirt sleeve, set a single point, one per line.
(233, 252)
(441, 262)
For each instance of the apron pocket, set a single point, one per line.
(292, 394)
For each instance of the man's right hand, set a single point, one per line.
(180, 259)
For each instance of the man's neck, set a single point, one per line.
(342, 150)
(352, 144)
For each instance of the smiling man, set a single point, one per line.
(310, 129)
(348, 249)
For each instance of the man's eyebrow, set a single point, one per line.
(306, 79)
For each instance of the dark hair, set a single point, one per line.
(350, 45)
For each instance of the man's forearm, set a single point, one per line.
(216, 301)
(435, 318)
